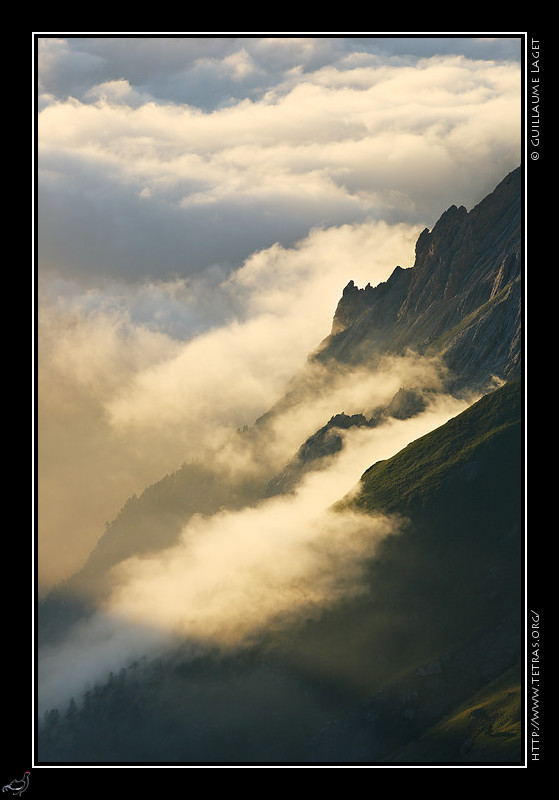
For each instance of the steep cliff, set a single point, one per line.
(461, 299)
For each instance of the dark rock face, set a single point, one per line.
(461, 299)
(405, 404)
(314, 453)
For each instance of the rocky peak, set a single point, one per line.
(461, 298)
(355, 302)
(352, 303)
(465, 246)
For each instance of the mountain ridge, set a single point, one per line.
(475, 344)
(441, 614)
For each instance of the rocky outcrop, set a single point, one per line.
(317, 451)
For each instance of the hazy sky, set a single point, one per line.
(202, 202)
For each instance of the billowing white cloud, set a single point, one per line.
(233, 573)
(132, 186)
(144, 377)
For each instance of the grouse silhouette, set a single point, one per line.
(17, 787)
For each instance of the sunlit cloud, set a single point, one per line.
(235, 574)
(145, 377)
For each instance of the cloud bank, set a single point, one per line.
(210, 71)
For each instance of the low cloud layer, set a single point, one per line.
(236, 574)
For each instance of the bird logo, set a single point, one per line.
(17, 787)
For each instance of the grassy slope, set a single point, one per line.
(484, 729)
(456, 567)
(462, 486)
(446, 593)
(451, 453)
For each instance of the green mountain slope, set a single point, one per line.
(463, 451)
(445, 603)
(484, 729)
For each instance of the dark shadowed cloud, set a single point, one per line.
(160, 157)
(208, 71)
